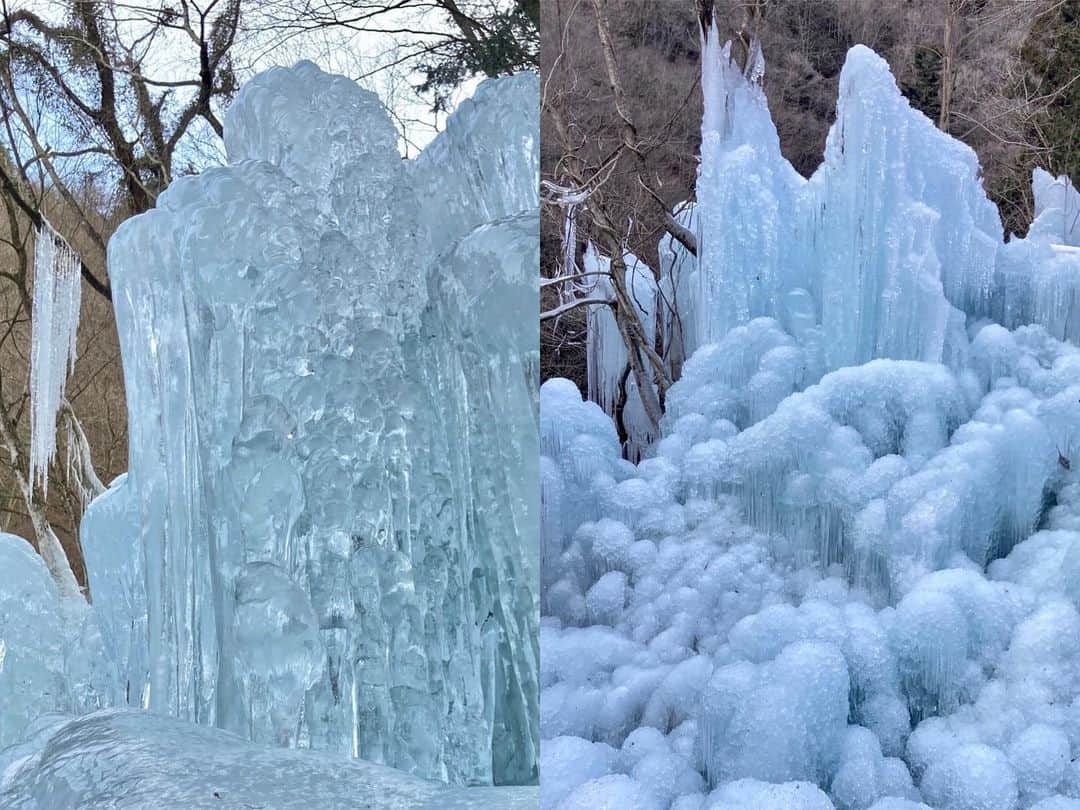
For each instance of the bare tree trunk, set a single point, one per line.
(948, 66)
(48, 544)
(89, 485)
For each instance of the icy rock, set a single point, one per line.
(667, 776)
(738, 378)
(865, 775)
(1045, 649)
(612, 792)
(750, 794)
(943, 630)
(579, 446)
(677, 697)
(606, 598)
(1039, 755)
(567, 763)
(784, 721)
(1057, 803)
(612, 545)
(973, 777)
(131, 760)
(366, 456)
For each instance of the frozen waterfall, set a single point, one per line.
(845, 575)
(331, 483)
(325, 536)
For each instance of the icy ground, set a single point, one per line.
(847, 575)
(128, 760)
(325, 538)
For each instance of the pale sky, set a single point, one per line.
(363, 55)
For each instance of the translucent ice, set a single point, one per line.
(50, 649)
(55, 322)
(32, 640)
(1057, 209)
(886, 246)
(325, 535)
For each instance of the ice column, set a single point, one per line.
(884, 246)
(326, 536)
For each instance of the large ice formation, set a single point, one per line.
(326, 534)
(845, 575)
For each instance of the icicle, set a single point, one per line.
(569, 245)
(56, 302)
(755, 64)
(605, 351)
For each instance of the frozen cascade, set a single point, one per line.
(54, 326)
(845, 575)
(883, 245)
(747, 195)
(323, 537)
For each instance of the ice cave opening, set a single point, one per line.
(324, 537)
(845, 574)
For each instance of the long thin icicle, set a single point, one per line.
(57, 298)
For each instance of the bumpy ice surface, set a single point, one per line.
(845, 576)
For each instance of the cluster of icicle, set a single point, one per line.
(57, 298)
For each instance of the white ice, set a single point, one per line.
(844, 576)
(57, 297)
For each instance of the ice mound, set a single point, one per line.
(325, 535)
(134, 760)
(844, 575)
(780, 722)
(50, 646)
